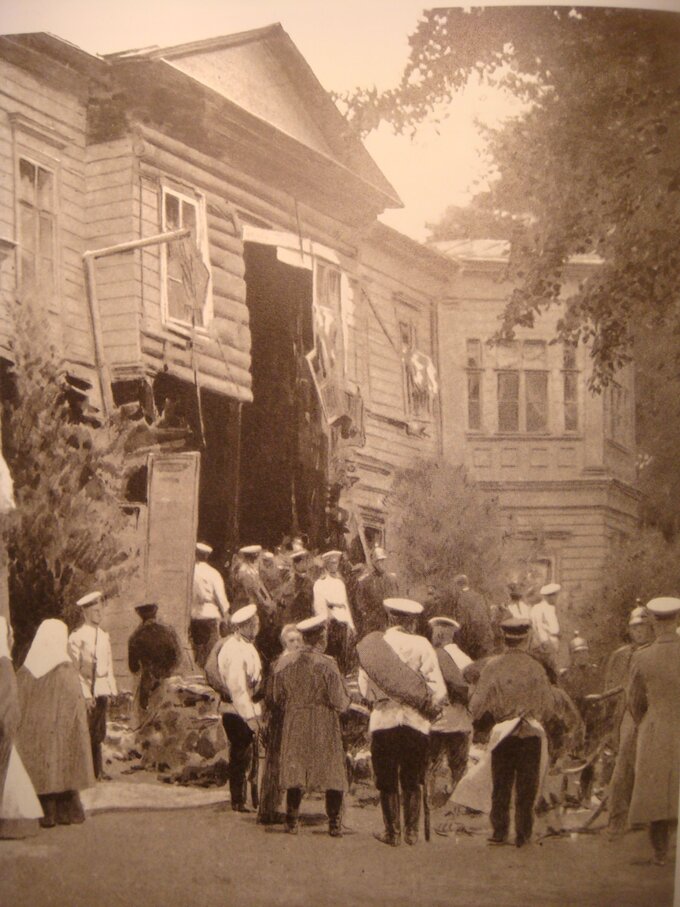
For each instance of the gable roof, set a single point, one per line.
(294, 103)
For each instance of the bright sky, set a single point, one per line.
(346, 42)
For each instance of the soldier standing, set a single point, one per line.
(513, 696)
(654, 701)
(372, 589)
(399, 732)
(209, 605)
(580, 681)
(624, 736)
(331, 603)
(476, 632)
(240, 670)
(153, 650)
(90, 649)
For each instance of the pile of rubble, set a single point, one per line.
(179, 737)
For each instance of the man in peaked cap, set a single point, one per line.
(399, 732)
(654, 702)
(312, 694)
(210, 605)
(154, 652)
(331, 603)
(544, 622)
(90, 648)
(249, 588)
(623, 741)
(514, 697)
(450, 734)
(372, 590)
(240, 669)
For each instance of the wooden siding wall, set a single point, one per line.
(111, 197)
(55, 138)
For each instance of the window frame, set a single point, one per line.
(522, 369)
(51, 166)
(197, 199)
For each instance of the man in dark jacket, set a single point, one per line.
(372, 590)
(476, 633)
(312, 694)
(153, 651)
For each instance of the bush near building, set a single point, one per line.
(69, 533)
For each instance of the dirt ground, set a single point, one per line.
(211, 856)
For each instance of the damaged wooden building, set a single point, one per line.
(204, 227)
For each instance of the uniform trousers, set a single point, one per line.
(515, 762)
(96, 719)
(399, 756)
(453, 746)
(623, 776)
(241, 740)
(203, 634)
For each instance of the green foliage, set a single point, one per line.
(441, 524)
(68, 534)
(479, 220)
(592, 160)
(644, 567)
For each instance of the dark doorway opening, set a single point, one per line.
(217, 440)
(284, 448)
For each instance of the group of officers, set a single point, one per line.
(431, 681)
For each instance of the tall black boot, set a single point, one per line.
(389, 801)
(411, 815)
(293, 800)
(334, 812)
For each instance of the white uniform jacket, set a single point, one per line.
(99, 680)
(544, 623)
(209, 594)
(241, 671)
(330, 600)
(418, 654)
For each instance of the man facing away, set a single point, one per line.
(399, 732)
(240, 670)
(476, 632)
(624, 735)
(513, 695)
(90, 649)
(450, 734)
(372, 590)
(654, 702)
(210, 605)
(311, 692)
(154, 652)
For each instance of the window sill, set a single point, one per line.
(185, 331)
(481, 435)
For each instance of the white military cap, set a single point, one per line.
(444, 621)
(379, 554)
(311, 623)
(243, 614)
(550, 589)
(298, 553)
(638, 616)
(403, 606)
(92, 598)
(331, 554)
(664, 607)
(204, 548)
(250, 549)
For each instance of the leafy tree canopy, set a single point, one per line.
(591, 163)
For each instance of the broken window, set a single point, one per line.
(186, 292)
(36, 224)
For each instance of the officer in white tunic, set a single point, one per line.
(331, 603)
(544, 622)
(90, 648)
(399, 732)
(240, 669)
(209, 605)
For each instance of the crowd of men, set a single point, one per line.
(294, 644)
(292, 649)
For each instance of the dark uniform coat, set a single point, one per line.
(312, 694)
(53, 738)
(154, 650)
(475, 636)
(372, 590)
(654, 701)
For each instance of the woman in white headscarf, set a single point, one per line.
(19, 806)
(53, 737)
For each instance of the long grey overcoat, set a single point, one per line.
(312, 694)
(654, 701)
